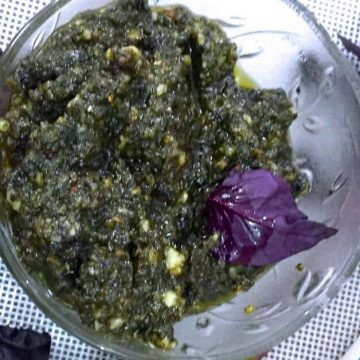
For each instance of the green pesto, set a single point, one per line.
(119, 128)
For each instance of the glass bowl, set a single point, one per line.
(280, 44)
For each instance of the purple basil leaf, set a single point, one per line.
(23, 344)
(259, 221)
(350, 46)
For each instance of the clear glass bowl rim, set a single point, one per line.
(39, 294)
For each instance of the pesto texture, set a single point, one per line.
(119, 128)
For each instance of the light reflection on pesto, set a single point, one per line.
(118, 129)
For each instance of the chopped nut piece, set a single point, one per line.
(132, 50)
(116, 219)
(145, 225)
(4, 126)
(87, 34)
(134, 113)
(161, 89)
(182, 159)
(201, 39)
(170, 298)
(136, 190)
(221, 164)
(116, 323)
(166, 344)
(153, 256)
(12, 200)
(134, 35)
(97, 325)
(107, 183)
(110, 54)
(39, 178)
(184, 197)
(174, 261)
(168, 139)
(186, 59)
(247, 119)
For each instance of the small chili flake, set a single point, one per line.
(74, 189)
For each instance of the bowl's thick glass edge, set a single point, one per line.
(353, 78)
(22, 277)
(351, 75)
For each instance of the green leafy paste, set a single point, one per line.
(118, 129)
